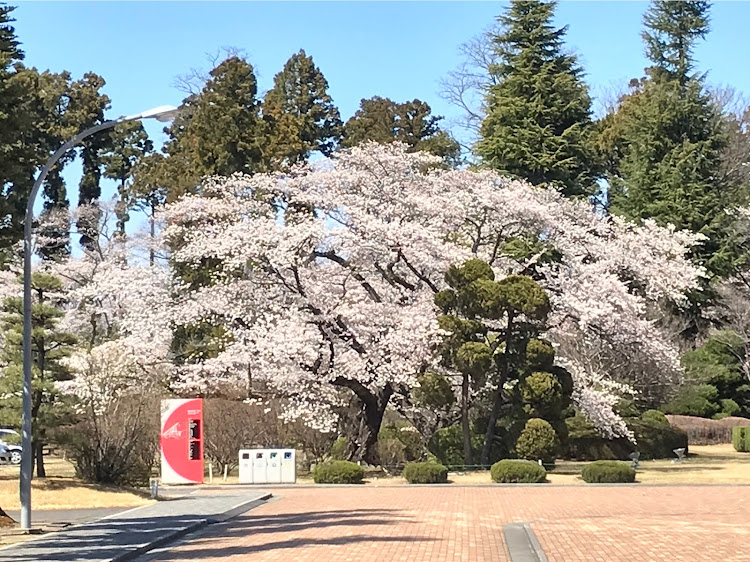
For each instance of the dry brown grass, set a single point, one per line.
(707, 464)
(61, 490)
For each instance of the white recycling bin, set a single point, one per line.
(273, 467)
(246, 466)
(260, 459)
(288, 466)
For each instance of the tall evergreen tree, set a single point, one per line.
(32, 126)
(665, 142)
(128, 145)
(383, 120)
(86, 109)
(53, 128)
(671, 30)
(50, 346)
(219, 132)
(538, 120)
(12, 198)
(300, 114)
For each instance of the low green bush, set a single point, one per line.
(517, 472)
(600, 472)
(741, 439)
(338, 472)
(425, 473)
(655, 416)
(655, 440)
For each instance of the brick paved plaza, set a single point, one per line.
(452, 523)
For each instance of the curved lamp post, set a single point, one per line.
(161, 113)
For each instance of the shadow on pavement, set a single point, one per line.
(217, 541)
(97, 541)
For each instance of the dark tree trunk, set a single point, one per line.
(465, 427)
(38, 451)
(489, 435)
(364, 444)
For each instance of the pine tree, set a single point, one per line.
(299, 114)
(128, 145)
(538, 121)
(50, 346)
(665, 142)
(383, 120)
(513, 354)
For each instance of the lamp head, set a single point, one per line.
(163, 113)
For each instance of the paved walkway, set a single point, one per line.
(72, 516)
(124, 535)
(445, 524)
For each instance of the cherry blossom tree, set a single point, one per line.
(337, 302)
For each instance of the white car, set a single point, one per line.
(9, 453)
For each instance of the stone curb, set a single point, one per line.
(479, 485)
(522, 543)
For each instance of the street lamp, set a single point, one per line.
(161, 113)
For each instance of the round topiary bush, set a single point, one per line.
(517, 472)
(607, 472)
(655, 416)
(538, 440)
(425, 473)
(338, 472)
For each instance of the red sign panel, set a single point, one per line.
(182, 441)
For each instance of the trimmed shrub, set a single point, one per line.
(538, 440)
(655, 441)
(741, 439)
(338, 472)
(517, 472)
(655, 416)
(701, 431)
(425, 473)
(540, 354)
(601, 472)
(543, 393)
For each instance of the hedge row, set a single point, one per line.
(702, 431)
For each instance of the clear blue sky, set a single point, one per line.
(395, 49)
